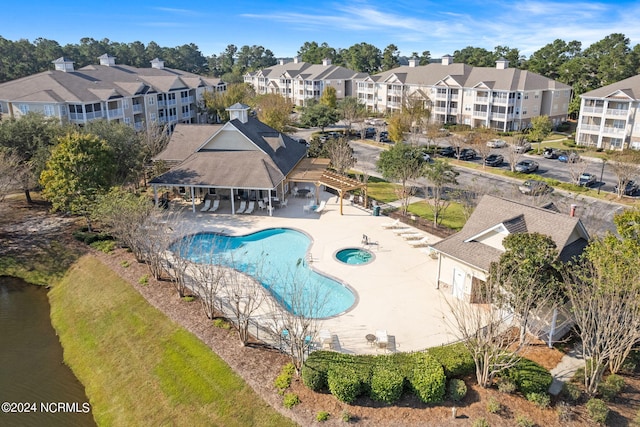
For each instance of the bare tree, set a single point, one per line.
(432, 132)
(487, 332)
(299, 321)
(513, 155)
(10, 172)
(577, 168)
(478, 141)
(154, 139)
(242, 297)
(439, 173)
(173, 259)
(208, 280)
(341, 155)
(625, 165)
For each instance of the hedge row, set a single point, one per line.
(385, 378)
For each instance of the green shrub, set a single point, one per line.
(144, 280)
(571, 392)
(524, 421)
(346, 416)
(597, 410)
(428, 379)
(636, 420)
(124, 264)
(105, 246)
(530, 377)
(344, 383)
(615, 384)
(481, 422)
(322, 416)
(631, 363)
(457, 389)
(221, 323)
(314, 369)
(565, 413)
(541, 400)
(507, 385)
(188, 298)
(283, 381)
(387, 383)
(494, 406)
(455, 359)
(290, 400)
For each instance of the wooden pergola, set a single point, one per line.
(342, 184)
(314, 170)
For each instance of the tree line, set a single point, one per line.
(604, 62)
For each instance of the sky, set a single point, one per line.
(283, 26)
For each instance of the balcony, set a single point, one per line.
(613, 131)
(501, 100)
(137, 108)
(499, 116)
(593, 110)
(138, 125)
(616, 112)
(590, 128)
(115, 113)
(479, 114)
(482, 99)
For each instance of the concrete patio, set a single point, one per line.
(396, 292)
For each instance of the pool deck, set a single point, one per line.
(396, 292)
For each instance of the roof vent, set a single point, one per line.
(107, 60)
(157, 64)
(239, 111)
(447, 60)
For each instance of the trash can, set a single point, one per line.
(376, 211)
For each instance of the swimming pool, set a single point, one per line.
(276, 257)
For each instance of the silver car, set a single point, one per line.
(497, 143)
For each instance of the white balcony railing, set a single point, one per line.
(137, 108)
(479, 114)
(616, 112)
(590, 128)
(482, 99)
(614, 131)
(593, 110)
(115, 113)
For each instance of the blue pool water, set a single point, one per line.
(276, 257)
(354, 256)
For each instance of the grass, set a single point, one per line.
(140, 368)
(453, 217)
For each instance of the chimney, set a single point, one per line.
(282, 61)
(157, 64)
(107, 60)
(573, 210)
(296, 59)
(326, 62)
(413, 62)
(447, 60)
(239, 111)
(502, 64)
(63, 64)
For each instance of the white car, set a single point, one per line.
(497, 143)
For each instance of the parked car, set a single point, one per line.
(443, 132)
(630, 189)
(496, 143)
(467, 154)
(586, 179)
(533, 187)
(522, 146)
(494, 160)
(526, 166)
(550, 153)
(447, 151)
(568, 157)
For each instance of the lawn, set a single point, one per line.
(140, 368)
(452, 218)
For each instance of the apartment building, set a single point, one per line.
(609, 116)
(500, 98)
(300, 81)
(137, 97)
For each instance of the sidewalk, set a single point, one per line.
(570, 363)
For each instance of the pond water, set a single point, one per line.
(32, 373)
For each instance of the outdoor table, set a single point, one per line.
(371, 339)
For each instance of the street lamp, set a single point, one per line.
(604, 162)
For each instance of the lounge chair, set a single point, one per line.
(207, 205)
(326, 339)
(320, 207)
(243, 206)
(250, 208)
(421, 242)
(393, 224)
(401, 230)
(307, 208)
(216, 205)
(262, 205)
(382, 340)
(412, 236)
(283, 204)
(294, 192)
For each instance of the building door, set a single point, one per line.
(458, 283)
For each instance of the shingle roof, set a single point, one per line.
(276, 156)
(309, 71)
(509, 79)
(629, 86)
(567, 232)
(95, 82)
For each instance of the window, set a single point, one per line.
(127, 121)
(24, 108)
(151, 100)
(49, 110)
(125, 103)
(153, 116)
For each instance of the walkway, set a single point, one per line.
(570, 363)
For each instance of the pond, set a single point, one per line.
(32, 372)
